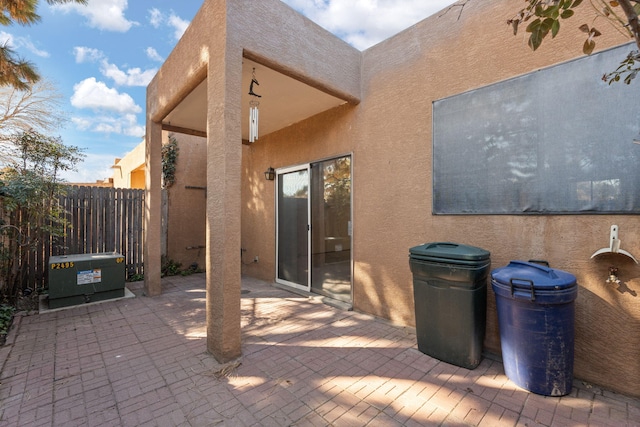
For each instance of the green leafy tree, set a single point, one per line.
(545, 17)
(29, 193)
(15, 71)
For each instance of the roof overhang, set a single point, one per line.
(283, 101)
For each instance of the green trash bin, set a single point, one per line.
(450, 294)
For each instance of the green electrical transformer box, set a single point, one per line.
(83, 278)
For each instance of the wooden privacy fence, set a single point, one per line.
(98, 220)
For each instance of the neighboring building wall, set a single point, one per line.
(390, 136)
(108, 183)
(127, 170)
(137, 177)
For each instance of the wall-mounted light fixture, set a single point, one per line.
(270, 174)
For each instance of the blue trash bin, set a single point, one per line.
(536, 312)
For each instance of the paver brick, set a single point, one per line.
(471, 409)
(129, 362)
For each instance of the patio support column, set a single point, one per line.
(153, 206)
(224, 155)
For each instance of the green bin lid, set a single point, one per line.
(445, 251)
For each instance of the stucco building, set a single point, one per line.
(363, 146)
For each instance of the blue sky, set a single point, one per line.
(102, 56)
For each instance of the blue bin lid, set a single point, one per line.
(543, 278)
(448, 252)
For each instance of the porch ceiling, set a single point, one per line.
(284, 101)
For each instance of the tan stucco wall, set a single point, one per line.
(186, 203)
(126, 171)
(138, 178)
(437, 58)
(389, 134)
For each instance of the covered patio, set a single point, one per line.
(205, 88)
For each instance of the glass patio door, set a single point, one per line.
(331, 228)
(292, 240)
(314, 227)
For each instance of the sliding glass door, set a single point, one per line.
(331, 228)
(314, 227)
(293, 224)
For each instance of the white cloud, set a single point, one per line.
(87, 54)
(132, 77)
(12, 42)
(131, 126)
(363, 23)
(94, 167)
(120, 124)
(32, 48)
(153, 54)
(126, 124)
(82, 123)
(102, 14)
(155, 17)
(95, 95)
(6, 39)
(179, 25)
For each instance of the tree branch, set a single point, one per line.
(461, 4)
(632, 16)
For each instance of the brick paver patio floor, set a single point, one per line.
(143, 362)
